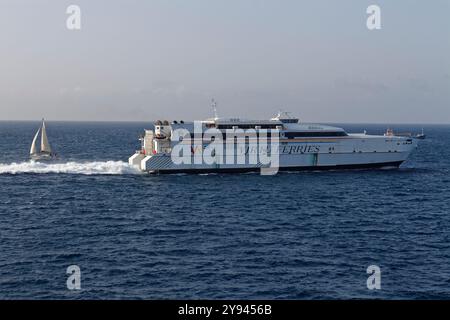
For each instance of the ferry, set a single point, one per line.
(294, 144)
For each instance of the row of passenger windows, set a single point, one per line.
(292, 135)
(247, 126)
(231, 136)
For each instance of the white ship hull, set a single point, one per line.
(351, 152)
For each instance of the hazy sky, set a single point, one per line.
(143, 60)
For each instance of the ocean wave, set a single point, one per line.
(72, 167)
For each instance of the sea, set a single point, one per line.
(295, 235)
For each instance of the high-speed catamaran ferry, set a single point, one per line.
(238, 145)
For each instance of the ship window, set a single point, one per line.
(292, 135)
(289, 120)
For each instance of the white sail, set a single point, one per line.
(45, 146)
(33, 144)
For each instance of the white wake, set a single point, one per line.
(88, 168)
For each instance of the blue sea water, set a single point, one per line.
(306, 235)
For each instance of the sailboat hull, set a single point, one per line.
(44, 157)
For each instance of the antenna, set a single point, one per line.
(214, 108)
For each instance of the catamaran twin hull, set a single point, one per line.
(298, 147)
(163, 163)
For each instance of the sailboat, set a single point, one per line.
(421, 135)
(46, 151)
